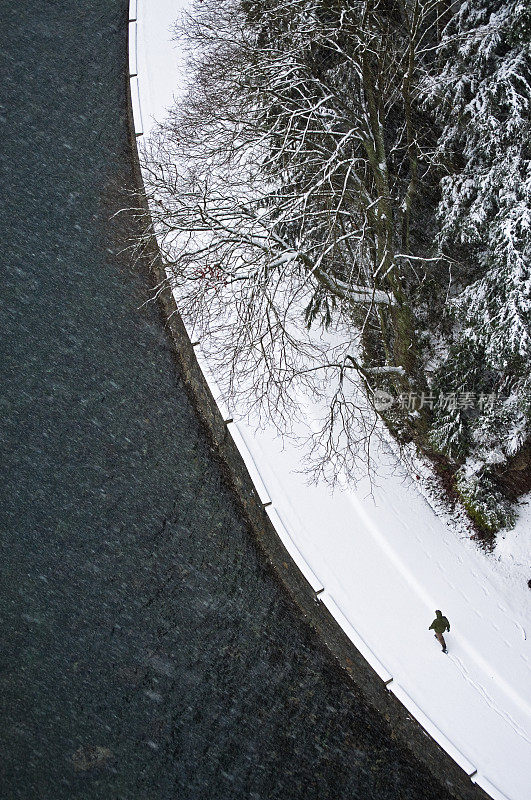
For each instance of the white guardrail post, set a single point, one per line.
(133, 68)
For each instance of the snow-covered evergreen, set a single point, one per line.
(483, 102)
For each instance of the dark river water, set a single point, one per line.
(147, 651)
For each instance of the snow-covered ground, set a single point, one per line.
(384, 562)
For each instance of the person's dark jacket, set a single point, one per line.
(440, 624)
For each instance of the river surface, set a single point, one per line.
(147, 651)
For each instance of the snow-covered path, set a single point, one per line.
(383, 565)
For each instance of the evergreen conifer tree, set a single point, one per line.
(483, 102)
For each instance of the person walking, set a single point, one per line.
(440, 624)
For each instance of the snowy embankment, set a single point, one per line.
(383, 563)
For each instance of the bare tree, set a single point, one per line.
(283, 192)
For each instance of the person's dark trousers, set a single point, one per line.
(440, 639)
